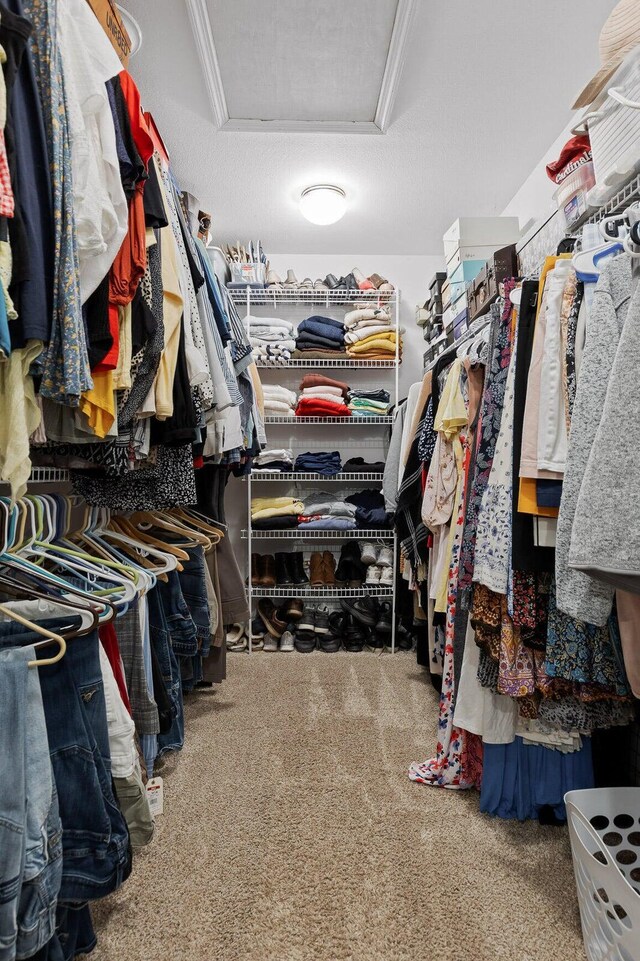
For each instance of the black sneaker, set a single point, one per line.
(375, 641)
(308, 620)
(305, 642)
(355, 635)
(321, 624)
(364, 609)
(404, 639)
(329, 643)
(384, 618)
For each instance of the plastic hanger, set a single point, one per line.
(37, 629)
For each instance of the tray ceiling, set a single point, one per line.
(291, 66)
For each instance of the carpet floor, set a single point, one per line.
(291, 832)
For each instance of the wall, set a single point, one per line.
(534, 200)
(410, 274)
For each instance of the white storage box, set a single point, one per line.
(476, 232)
(250, 274)
(614, 129)
(604, 827)
(463, 255)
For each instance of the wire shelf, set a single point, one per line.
(305, 590)
(48, 475)
(306, 295)
(338, 362)
(314, 477)
(374, 419)
(295, 533)
(616, 204)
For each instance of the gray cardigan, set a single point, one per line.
(578, 594)
(605, 540)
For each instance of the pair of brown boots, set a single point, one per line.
(322, 569)
(263, 570)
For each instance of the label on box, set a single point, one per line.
(155, 796)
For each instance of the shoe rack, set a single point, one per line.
(348, 435)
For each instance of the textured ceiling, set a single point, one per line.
(293, 64)
(486, 88)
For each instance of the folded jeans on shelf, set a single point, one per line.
(357, 465)
(282, 523)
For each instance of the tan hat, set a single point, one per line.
(620, 34)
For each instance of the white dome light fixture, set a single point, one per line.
(323, 204)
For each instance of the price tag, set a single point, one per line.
(155, 794)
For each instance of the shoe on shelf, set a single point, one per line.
(368, 553)
(331, 281)
(306, 284)
(321, 622)
(270, 643)
(329, 568)
(385, 557)
(377, 280)
(257, 627)
(373, 574)
(305, 643)
(295, 560)
(234, 634)
(267, 569)
(287, 639)
(283, 575)
(255, 570)
(270, 617)
(273, 280)
(291, 609)
(308, 620)
(338, 623)
(351, 283)
(320, 285)
(349, 555)
(291, 283)
(386, 576)
(383, 625)
(316, 569)
(363, 609)
(375, 641)
(329, 644)
(354, 636)
(362, 282)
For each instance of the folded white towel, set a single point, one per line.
(320, 391)
(279, 407)
(276, 453)
(276, 392)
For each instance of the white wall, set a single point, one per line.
(409, 274)
(534, 200)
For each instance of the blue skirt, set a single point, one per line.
(519, 779)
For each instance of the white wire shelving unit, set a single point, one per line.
(294, 533)
(320, 593)
(295, 305)
(298, 477)
(348, 421)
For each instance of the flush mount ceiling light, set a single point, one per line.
(323, 204)
(133, 29)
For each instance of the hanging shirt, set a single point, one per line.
(101, 211)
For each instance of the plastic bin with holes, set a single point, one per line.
(604, 826)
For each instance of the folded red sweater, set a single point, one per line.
(318, 407)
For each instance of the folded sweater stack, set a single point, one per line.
(277, 459)
(322, 401)
(319, 462)
(319, 380)
(320, 335)
(370, 335)
(278, 401)
(368, 403)
(272, 340)
(268, 508)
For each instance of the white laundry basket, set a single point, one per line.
(604, 825)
